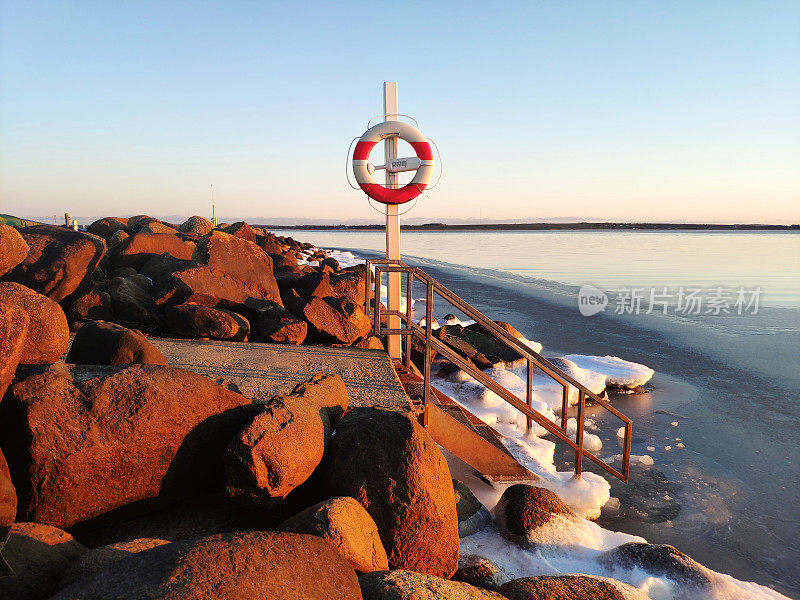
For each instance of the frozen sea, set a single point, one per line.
(716, 314)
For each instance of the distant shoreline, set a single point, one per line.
(547, 227)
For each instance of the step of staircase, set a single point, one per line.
(463, 434)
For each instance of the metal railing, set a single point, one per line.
(424, 334)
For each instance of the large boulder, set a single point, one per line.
(93, 560)
(159, 269)
(482, 349)
(337, 319)
(108, 226)
(407, 585)
(140, 222)
(314, 285)
(326, 392)
(370, 343)
(480, 572)
(104, 343)
(112, 242)
(59, 260)
(132, 303)
(524, 508)
(194, 321)
(569, 587)
(8, 503)
(238, 566)
(288, 260)
(270, 243)
(507, 327)
(472, 515)
(242, 230)
(349, 284)
(277, 451)
(276, 324)
(390, 464)
(38, 555)
(196, 225)
(83, 440)
(329, 263)
(48, 332)
(116, 238)
(660, 560)
(136, 222)
(293, 302)
(207, 513)
(93, 305)
(348, 527)
(136, 250)
(13, 331)
(229, 272)
(283, 445)
(157, 227)
(13, 248)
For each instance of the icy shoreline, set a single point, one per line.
(575, 546)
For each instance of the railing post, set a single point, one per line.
(579, 436)
(564, 406)
(376, 309)
(409, 301)
(627, 451)
(426, 394)
(367, 285)
(528, 420)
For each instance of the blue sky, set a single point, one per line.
(618, 110)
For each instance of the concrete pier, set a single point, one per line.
(264, 370)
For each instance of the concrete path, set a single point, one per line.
(264, 370)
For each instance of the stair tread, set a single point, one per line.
(414, 385)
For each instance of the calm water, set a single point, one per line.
(610, 259)
(730, 380)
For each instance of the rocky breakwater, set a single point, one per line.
(122, 477)
(233, 282)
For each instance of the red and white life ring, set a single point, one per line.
(367, 142)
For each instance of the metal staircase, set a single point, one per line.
(452, 426)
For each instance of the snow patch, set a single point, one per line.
(567, 545)
(618, 372)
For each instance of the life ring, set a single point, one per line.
(364, 177)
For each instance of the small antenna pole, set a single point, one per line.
(213, 208)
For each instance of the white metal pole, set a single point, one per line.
(392, 221)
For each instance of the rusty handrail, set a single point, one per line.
(533, 358)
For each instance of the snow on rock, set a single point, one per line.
(562, 546)
(344, 258)
(451, 319)
(550, 390)
(618, 372)
(644, 460)
(594, 381)
(584, 496)
(434, 324)
(535, 346)
(591, 442)
(568, 546)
